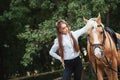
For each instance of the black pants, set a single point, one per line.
(73, 66)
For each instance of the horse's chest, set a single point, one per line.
(101, 62)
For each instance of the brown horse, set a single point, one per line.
(102, 51)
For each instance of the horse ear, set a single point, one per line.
(85, 20)
(98, 19)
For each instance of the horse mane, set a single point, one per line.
(113, 35)
(93, 19)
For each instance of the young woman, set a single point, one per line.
(66, 44)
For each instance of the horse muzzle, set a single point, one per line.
(98, 52)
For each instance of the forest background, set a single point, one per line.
(27, 30)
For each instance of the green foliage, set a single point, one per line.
(28, 26)
(16, 13)
(35, 37)
(99, 6)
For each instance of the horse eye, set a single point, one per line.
(98, 25)
(93, 27)
(88, 35)
(101, 32)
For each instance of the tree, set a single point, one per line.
(27, 28)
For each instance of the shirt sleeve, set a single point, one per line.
(80, 32)
(54, 49)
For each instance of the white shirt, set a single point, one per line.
(69, 52)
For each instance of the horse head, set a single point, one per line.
(96, 35)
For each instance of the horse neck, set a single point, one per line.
(109, 45)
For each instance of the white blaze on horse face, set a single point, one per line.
(95, 37)
(97, 50)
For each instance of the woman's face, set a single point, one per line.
(63, 29)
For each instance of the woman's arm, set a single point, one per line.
(54, 49)
(80, 32)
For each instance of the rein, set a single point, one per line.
(93, 46)
(109, 66)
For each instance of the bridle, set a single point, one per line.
(100, 45)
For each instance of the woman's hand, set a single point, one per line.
(62, 61)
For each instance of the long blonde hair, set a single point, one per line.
(59, 36)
